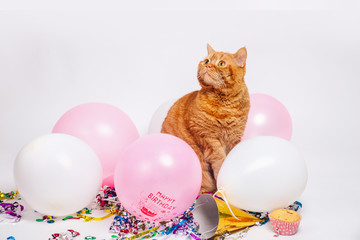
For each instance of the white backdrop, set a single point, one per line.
(137, 55)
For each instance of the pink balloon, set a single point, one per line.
(109, 181)
(267, 117)
(158, 177)
(105, 128)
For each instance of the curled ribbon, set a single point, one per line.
(10, 211)
(151, 230)
(111, 212)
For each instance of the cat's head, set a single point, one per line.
(222, 71)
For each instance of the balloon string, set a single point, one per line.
(220, 190)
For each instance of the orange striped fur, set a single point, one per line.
(212, 120)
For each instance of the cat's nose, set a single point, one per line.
(209, 66)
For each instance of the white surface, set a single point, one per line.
(136, 55)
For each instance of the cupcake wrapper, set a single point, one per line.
(284, 228)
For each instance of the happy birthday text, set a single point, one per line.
(162, 200)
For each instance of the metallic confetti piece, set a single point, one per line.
(10, 212)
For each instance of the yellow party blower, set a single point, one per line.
(216, 218)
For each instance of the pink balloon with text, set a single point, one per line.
(158, 177)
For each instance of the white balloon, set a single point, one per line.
(262, 174)
(159, 116)
(57, 174)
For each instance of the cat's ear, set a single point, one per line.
(210, 49)
(240, 57)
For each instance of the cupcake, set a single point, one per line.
(284, 221)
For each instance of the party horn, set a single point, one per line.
(217, 218)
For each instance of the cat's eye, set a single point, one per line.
(206, 61)
(221, 64)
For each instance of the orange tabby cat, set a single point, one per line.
(212, 120)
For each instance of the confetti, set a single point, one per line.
(90, 238)
(48, 219)
(125, 223)
(296, 206)
(111, 207)
(10, 212)
(127, 226)
(68, 235)
(70, 217)
(10, 195)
